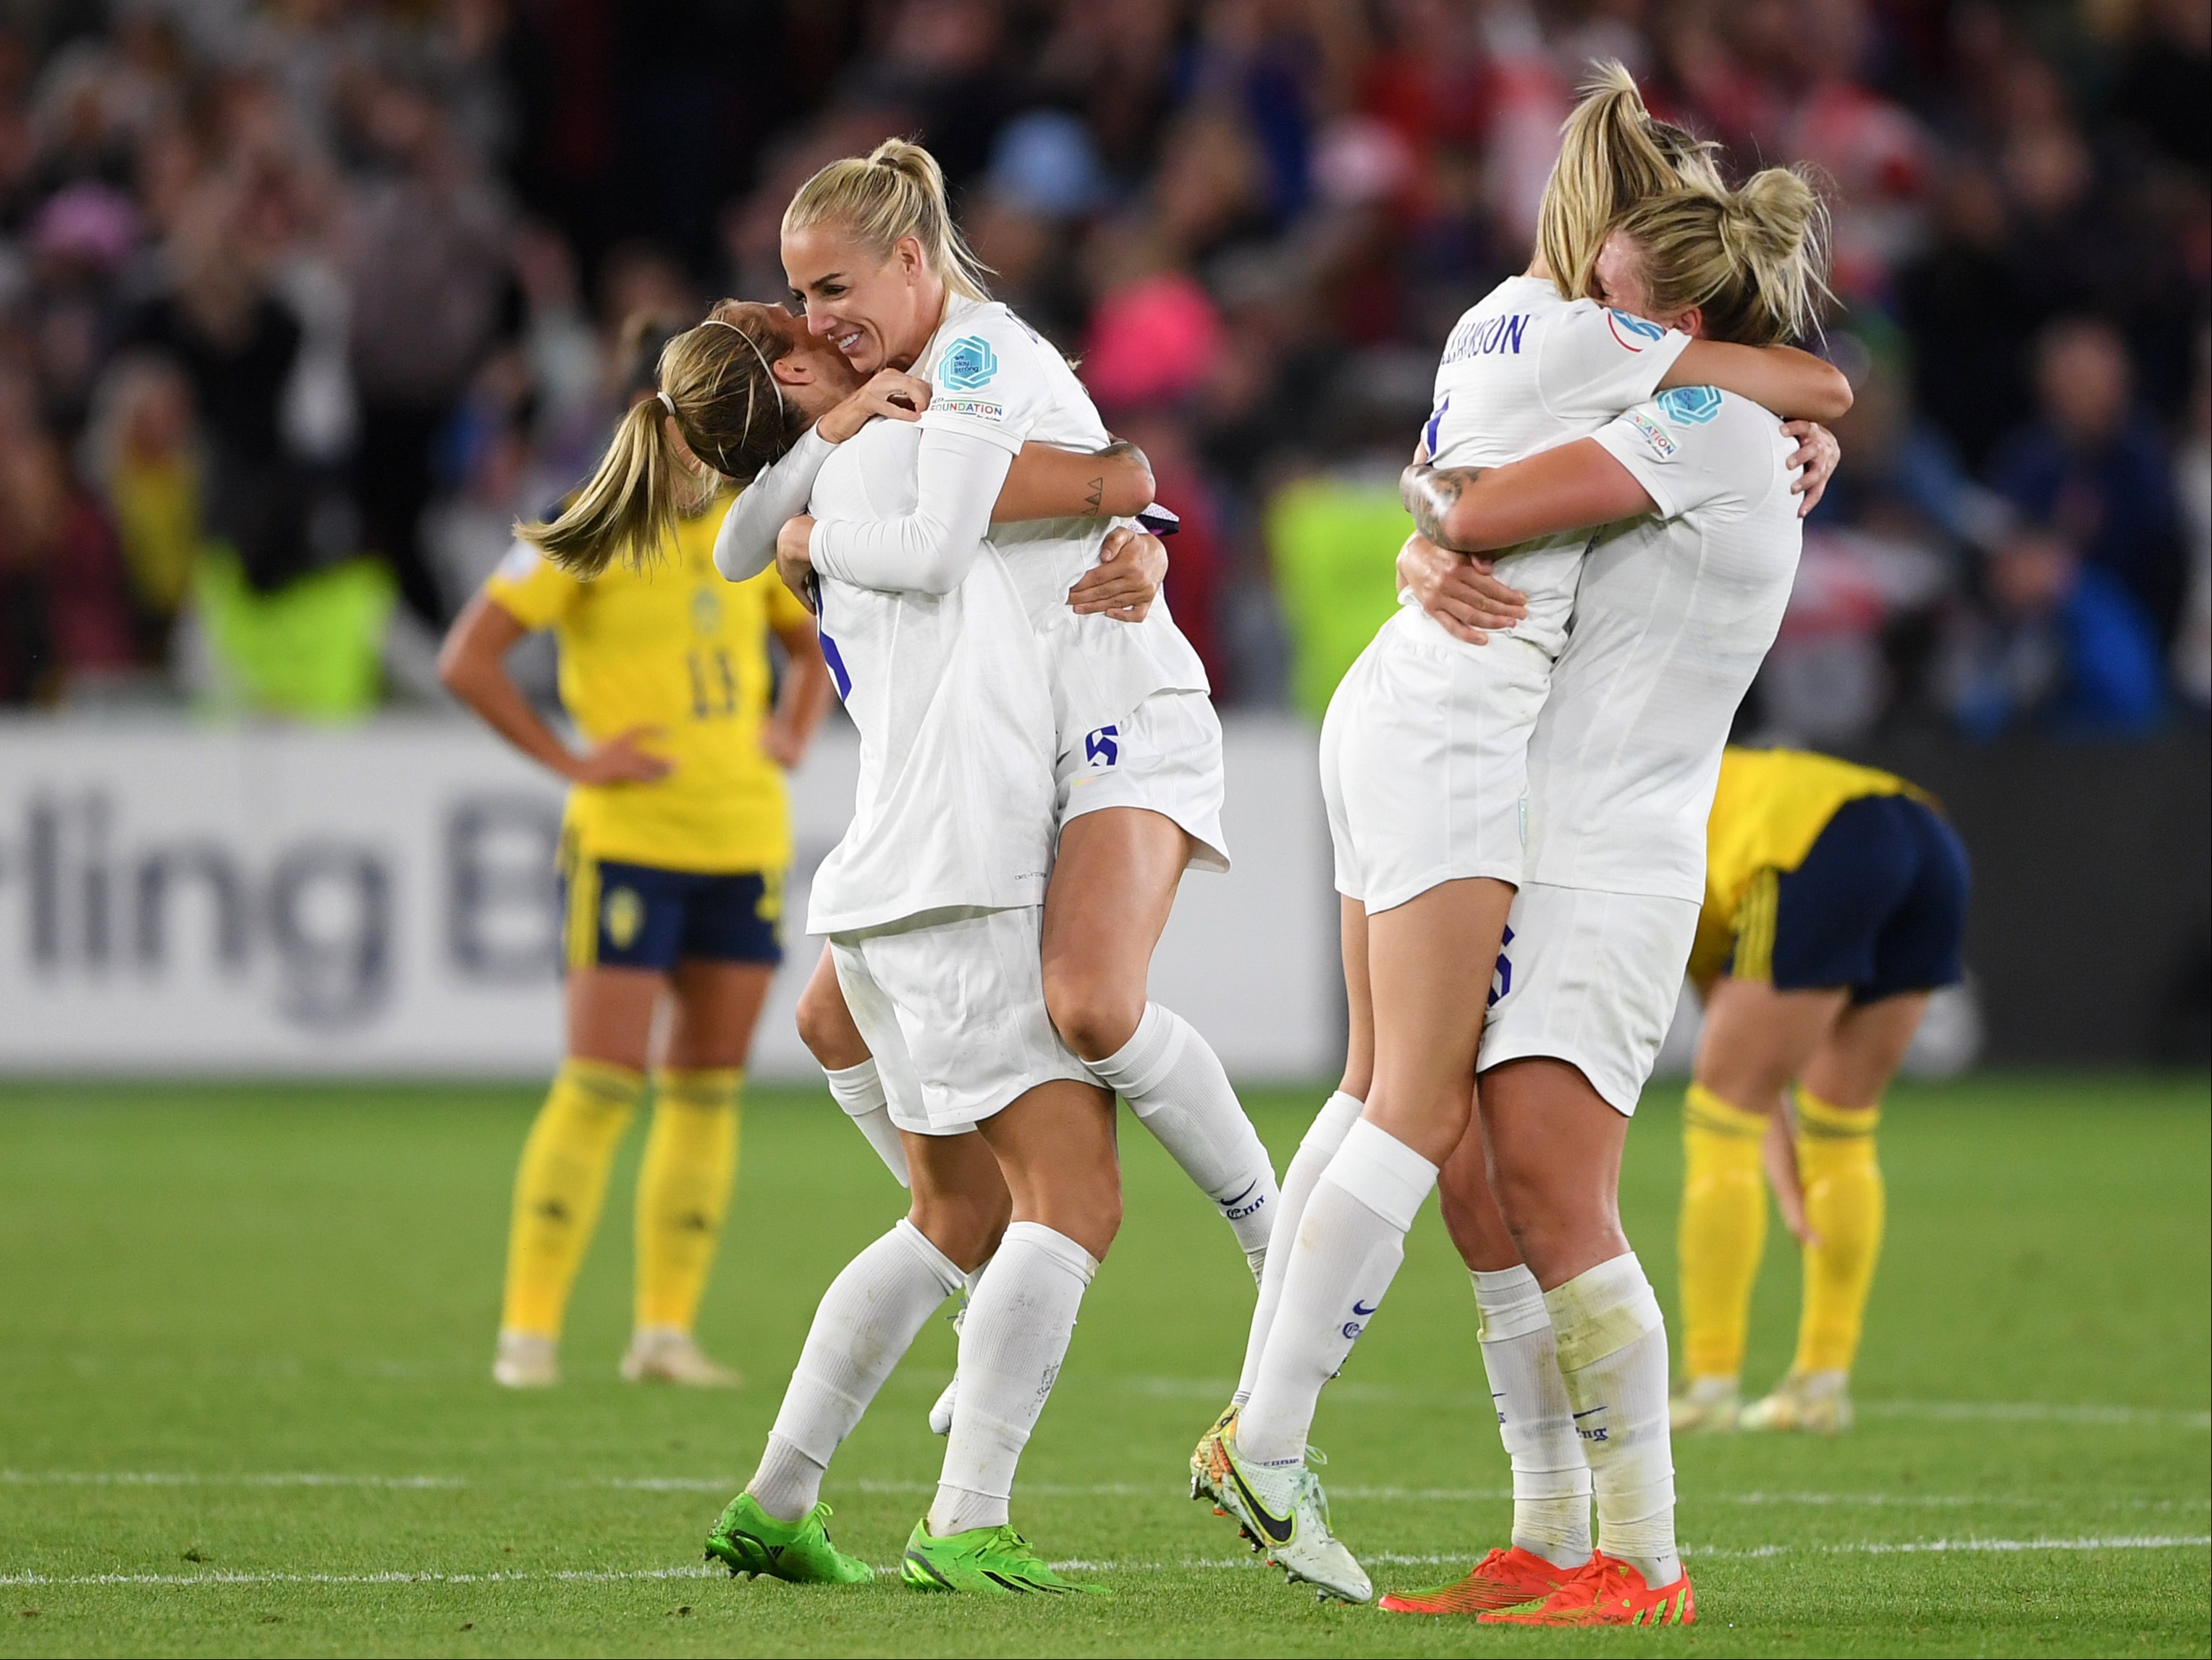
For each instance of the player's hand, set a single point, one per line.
(1817, 453)
(781, 744)
(893, 394)
(794, 561)
(1778, 1152)
(620, 760)
(1127, 579)
(1459, 590)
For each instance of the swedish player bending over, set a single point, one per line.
(1835, 896)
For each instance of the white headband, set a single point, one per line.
(757, 352)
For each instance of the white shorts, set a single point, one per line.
(1589, 978)
(1165, 757)
(1425, 761)
(952, 1004)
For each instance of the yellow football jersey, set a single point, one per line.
(677, 650)
(1770, 807)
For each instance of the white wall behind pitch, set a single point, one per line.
(177, 899)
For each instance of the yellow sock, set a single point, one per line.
(1844, 1203)
(683, 1190)
(1723, 1231)
(559, 1189)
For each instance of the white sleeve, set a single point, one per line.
(1691, 446)
(746, 544)
(1593, 364)
(987, 381)
(958, 477)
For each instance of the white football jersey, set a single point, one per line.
(992, 376)
(1674, 615)
(1524, 371)
(954, 806)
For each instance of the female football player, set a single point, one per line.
(673, 847)
(1424, 767)
(1673, 615)
(872, 255)
(932, 903)
(676, 832)
(1835, 897)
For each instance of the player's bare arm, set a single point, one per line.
(1049, 482)
(1570, 487)
(803, 699)
(1431, 493)
(472, 665)
(1794, 383)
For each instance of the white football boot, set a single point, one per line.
(669, 1354)
(1709, 1404)
(1285, 1514)
(526, 1361)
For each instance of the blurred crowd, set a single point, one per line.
(302, 301)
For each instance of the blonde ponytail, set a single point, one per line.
(718, 391)
(1753, 261)
(896, 190)
(1612, 155)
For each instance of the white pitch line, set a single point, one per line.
(2034, 1412)
(2030, 1412)
(606, 1575)
(231, 1479)
(727, 1484)
(225, 1577)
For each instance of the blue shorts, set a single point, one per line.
(640, 916)
(1879, 906)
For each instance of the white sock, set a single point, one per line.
(1322, 1138)
(1551, 1477)
(1011, 1346)
(866, 1321)
(1613, 1358)
(1348, 1248)
(860, 1093)
(1174, 1083)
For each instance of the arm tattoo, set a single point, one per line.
(1094, 503)
(1431, 493)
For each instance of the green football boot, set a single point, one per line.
(995, 1561)
(748, 1540)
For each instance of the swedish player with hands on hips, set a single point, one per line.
(1138, 768)
(673, 848)
(1433, 792)
(1835, 899)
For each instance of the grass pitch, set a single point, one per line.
(244, 1407)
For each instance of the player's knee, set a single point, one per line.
(1477, 1231)
(966, 1227)
(1094, 1017)
(825, 1026)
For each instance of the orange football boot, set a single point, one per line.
(1607, 1592)
(1503, 1579)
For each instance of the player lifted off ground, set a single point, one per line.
(1674, 614)
(1137, 763)
(673, 848)
(1835, 899)
(1425, 761)
(934, 902)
